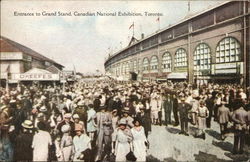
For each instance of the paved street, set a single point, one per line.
(167, 145)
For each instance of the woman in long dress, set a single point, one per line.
(41, 142)
(122, 142)
(202, 113)
(139, 141)
(66, 143)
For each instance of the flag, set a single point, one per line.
(132, 25)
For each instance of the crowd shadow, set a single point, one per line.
(205, 157)
(226, 146)
(213, 133)
(172, 130)
(151, 158)
(193, 130)
(241, 157)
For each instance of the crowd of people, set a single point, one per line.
(110, 121)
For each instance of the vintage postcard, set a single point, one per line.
(117, 81)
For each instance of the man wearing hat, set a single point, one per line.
(23, 142)
(104, 131)
(183, 109)
(18, 117)
(223, 116)
(240, 118)
(81, 110)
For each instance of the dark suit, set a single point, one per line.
(183, 109)
(240, 118)
(145, 122)
(223, 116)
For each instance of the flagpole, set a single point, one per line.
(159, 23)
(133, 29)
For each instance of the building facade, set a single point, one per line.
(212, 46)
(17, 59)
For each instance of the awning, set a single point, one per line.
(36, 74)
(177, 76)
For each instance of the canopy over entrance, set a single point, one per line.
(177, 76)
(36, 74)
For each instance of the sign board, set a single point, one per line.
(226, 66)
(11, 56)
(35, 76)
(229, 68)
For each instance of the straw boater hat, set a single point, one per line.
(65, 128)
(76, 116)
(80, 103)
(43, 109)
(40, 115)
(125, 110)
(115, 110)
(122, 122)
(67, 115)
(182, 98)
(27, 124)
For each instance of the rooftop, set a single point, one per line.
(8, 45)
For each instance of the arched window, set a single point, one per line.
(228, 50)
(166, 62)
(145, 65)
(154, 64)
(180, 58)
(202, 57)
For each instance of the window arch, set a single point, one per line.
(202, 57)
(180, 58)
(145, 64)
(228, 50)
(166, 62)
(154, 64)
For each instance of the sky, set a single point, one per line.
(84, 42)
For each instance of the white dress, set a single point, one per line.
(80, 144)
(40, 145)
(122, 148)
(139, 139)
(90, 122)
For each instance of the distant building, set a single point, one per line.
(212, 46)
(17, 59)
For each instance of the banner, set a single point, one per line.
(35, 76)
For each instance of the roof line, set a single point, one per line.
(171, 26)
(40, 56)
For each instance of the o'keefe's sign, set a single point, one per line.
(34, 76)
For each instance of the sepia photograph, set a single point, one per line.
(124, 81)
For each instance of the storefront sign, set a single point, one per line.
(11, 56)
(34, 76)
(226, 71)
(228, 68)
